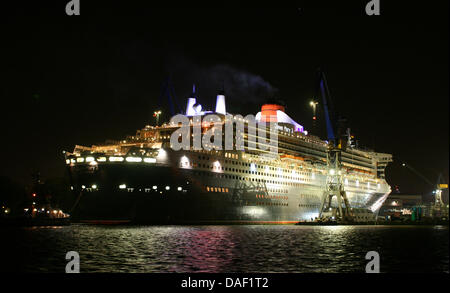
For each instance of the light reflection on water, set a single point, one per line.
(253, 248)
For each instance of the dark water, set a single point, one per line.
(226, 248)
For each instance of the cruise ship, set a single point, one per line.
(142, 179)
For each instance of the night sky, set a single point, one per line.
(85, 79)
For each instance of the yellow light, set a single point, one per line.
(102, 159)
(80, 160)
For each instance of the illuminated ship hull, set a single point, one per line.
(173, 190)
(143, 180)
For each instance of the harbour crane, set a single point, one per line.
(439, 206)
(336, 144)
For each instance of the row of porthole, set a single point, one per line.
(248, 164)
(226, 176)
(273, 175)
(217, 189)
(271, 204)
(271, 196)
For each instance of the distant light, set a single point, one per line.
(167, 187)
(83, 186)
(34, 210)
(80, 160)
(42, 209)
(93, 163)
(332, 171)
(34, 194)
(122, 186)
(179, 188)
(403, 164)
(55, 211)
(102, 159)
(94, 186)
(155, 187)
(149, 160)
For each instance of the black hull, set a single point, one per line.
(192, 204)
